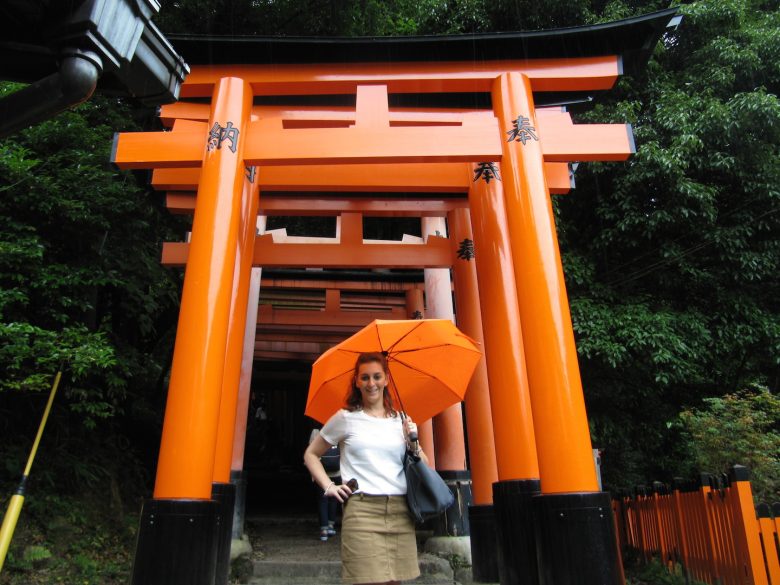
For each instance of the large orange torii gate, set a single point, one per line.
(541, 436)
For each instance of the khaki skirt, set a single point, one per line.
(378, 542)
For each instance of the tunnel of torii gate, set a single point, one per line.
(472, 135)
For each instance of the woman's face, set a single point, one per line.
(371, 382)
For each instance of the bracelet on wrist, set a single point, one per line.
(327, 489)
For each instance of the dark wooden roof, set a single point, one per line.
(632, 38)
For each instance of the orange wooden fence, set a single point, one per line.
(710, 528)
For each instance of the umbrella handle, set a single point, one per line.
(413, 438)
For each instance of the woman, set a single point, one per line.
(378, 544)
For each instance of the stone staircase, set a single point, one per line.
(435, 571)
(287, 551)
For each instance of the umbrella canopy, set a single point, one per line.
(430, 364)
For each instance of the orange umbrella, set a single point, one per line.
(430, 364)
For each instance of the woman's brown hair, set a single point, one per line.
(354, 398)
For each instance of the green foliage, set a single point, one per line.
(655, 573)
(351, 18)
(36, 554)
(72, 540)
(738, 429)
(81, 287)
(672, 258)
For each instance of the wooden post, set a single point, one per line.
(448, 437)
(513, 428)
(562, 437)
(482, 449)
(182, 515)
(479, 423)
(746, 528)
(415, 309)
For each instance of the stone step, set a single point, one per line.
(323, 571)
(434, 571)
(422, 580)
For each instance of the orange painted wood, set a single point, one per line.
(403, 177)
(433, 254)
(682, 529)
(145, 150)
(342, 116)
(325, 336)
(562, 435)
(329, 116)
(408, 144)
(272, 146)
(589, 73)
(411, 177)
(746, 534)
(245, 378)
(587, 142)
(479, 422)
(415, 308)
(510, 404)
(371, 106)
(349, 229)
(768, 537)
(276, 356)
(186, 462)
(294, 298)
(234, 350)
(184, 203)
(269, 146)
(267, 315)
(344, 285)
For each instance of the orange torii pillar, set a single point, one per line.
(510, 402)
(448, 436)
(415, 309)
(223, 491)
(244, 395)
(575, 534)
(242, 405)
(177, 537)
(479, 424)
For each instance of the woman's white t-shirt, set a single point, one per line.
(372, 451)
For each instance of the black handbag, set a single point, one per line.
(331, 459)
(426, 493)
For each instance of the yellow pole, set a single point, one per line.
(15, 505)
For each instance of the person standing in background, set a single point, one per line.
(328, 507)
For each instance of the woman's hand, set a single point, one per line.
(410, 428)
(340, 492)
(410, 433)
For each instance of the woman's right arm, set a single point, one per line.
(311, 459)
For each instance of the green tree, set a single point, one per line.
(672, 257)
(80, 279)
(742, 428)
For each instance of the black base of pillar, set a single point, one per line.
(455, 520)
(484, 544)
(239, 510)
(575, 539)
(225, 495)
(177, 543)
(515, 531)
